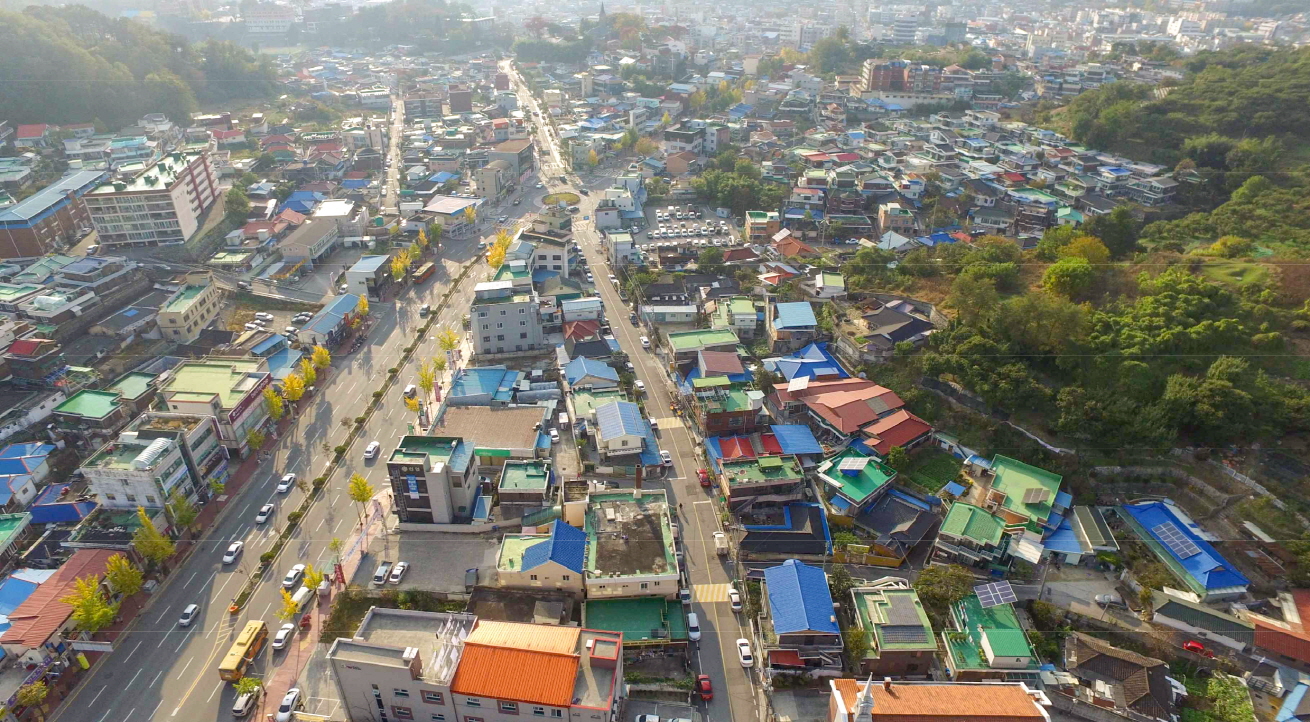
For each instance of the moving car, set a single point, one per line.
(640, 385)
(693, 627)
(1196, 647)
(233, 552)
(704, 477)
(294, 576)
(265, 512)
(704, 687)
(188, 615)
(290, 703)
(288, 481)
(398, 572)
(744, 653)
(284, 635)
(371, 451)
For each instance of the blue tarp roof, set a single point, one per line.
(567, 547)
(482, 506)
(582, 366)
(650, 451)
(63, 513)
(461, 456)
(799, 599)
(811, 361)
(354, 183)
(796, 439)
(795, 314)
(443, 176)
(619, 418)
(1207, 566)
(954, 488)
(1290, 711)
(496, 381)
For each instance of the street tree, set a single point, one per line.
(427, 376)
(323, 357)
(362, 307)
(123, 576)
(149, 543)
(335, 546)
(248, 685)
(470, 214)
(255, 439)
(360, 491)
(308, 372)
(274, 404)
(288, 609)
(447, 339)
(184, 513)
(941, 585)
(32, 696)
(92, 609)
(593, 159)
(646, 146)
(412, 404)
(293, 387)
(400, 264)
(439, 364)
(855, 648)
(313, 577)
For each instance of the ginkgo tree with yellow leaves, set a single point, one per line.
(499, 247)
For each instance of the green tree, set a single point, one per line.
(307, 371)
(287, 609)
(248, 685)
(646, 146)
(153, 546)
(941, 585)
(360, 491)
(1069, 277)
(293, 387)
(840, 582)
(898, 458)
(183, 512)
(855, 647)
(1117, 230)
(123, 576)
(322, 357)
(255, 439)
(92, 610)
(974, 300)
(236, 206)
(710, 260)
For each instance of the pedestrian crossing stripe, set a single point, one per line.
(709, 593)
(670, 422)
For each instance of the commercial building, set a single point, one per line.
(159, 455)
(159, 204)
(230, 390)
(268, 18)
(505, 319)
(49, 219)
(191, 308)
(630, 551)
(432, 480)
(519, 154)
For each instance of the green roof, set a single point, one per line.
(184, 298)
(10, 525)
(734, 400)
(11, 291)
(505, 273)
(164, 173)
(860, 486)
(710, 382)
(834, 279)
(768, 468)
(133, 385)
(1000, 626)
(642, 620)
(740, 305)
(416, 449)
(89, 404)
(1020, 481)
(894, 608)
(525, 476)
(585, 402)
(702, 337)
(512, 548)
(228, 379)
(119, 455)
(973, 523)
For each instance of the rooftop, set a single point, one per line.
(630, 534)
(525, 476)
(132, 385)
(999, 624)
(894, 620)
(41, 201)
(641, 620)
(1029, 490)
(130, 456)
(700, 338)
(417, 449)
(229, 379)
(973, 523)
(156, 177)
(183, 299)
(864, 477)
(763, 469)
(488, 428)
(385, 634)
(943, 701)
(89, 404)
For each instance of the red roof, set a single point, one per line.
(292, 217)
(785, 657)
(1015, 177)
(25, 347)
(736, 447)
(740, 254)
(793, 247)
(224, 134)
(770, 444)
(32, 623)
(721, 362)
(847, 157)
(898, 429)
(1292, 641)
(580, 330)
(35, 130)
(849, 411)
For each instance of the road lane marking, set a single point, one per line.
(93, 699)
(156, 679)
(156, 709)
(134, 649)
(192, 578)
(138, 674)
(164, 639)
(265, 614)
(184, 668)
(211, 694)
(179, 644)
(128, 718)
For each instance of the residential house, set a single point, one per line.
(1183, 546)
(869, 701)
(630, 549)
(899, 636)
(1120, 680)
(872, 338)
(852, 482)
(791, 326)
(554, 560)
(799, 625)
(585, 373)
(621, 431)
(824, 285)
(970, 536)
(1198, 621)
(988, 643)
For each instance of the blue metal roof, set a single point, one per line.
(35, 207)
(618, 419)
(650, 451)
(796, 439)
(484, 380)
(811, 361)
(461, 456)
(27, 449)
(796, 314)
(1207, 567)
(14, 592)
(567, 547)
(1064, 540)
(370, 264)
(581, 367)
(330, 316)
(1290, 710)
(799, 600)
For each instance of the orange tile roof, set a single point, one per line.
(943, 702)
(516, 675)
(532, 637)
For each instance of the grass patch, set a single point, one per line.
(251, 302)
(568, 199)
(1235, 273)
(931, 469)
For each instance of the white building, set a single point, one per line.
(159, 204)
(505, 319)
(269, 18)
(630, 532)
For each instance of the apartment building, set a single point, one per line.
(130, 471)
(680, 140)
(161, 204)
(269, 18)
(505, 319)
(191, 308)
(50, 219)
(230, 390)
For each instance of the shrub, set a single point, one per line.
(393, 370)
(294, 518)
(340, 449)
(361, 419)
(266, 557)
(377, 394)
(320, 482)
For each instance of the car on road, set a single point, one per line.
(666, 457)
(188, 615)
(371, 451)
(398, 572)
(518, 201)
(290, 703)
(502, 219)
(704, 687)
(704, 477)
(554, 436)
(294, 576)
(744, 653)
(646, 718)
(1196, 647)
(590, 278)
(734, 598)
(645, 342)
(640, 386)
(693, 627)
(265, 512)
(288, 481)
(233, 551)
(584, 191)
(540, 186)
(284, 635)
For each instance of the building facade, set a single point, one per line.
(161, 204)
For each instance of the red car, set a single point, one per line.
(704, 477)
(1196, 647)
(704, 687)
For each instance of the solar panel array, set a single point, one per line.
(1171, 536)
(853, 463)
(1036, 496)
(903, 624)
(995, 594)
(904, 635)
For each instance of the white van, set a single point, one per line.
(693, 627)
(411, 390)
(246, 703)
(563, 420)
(302, 597)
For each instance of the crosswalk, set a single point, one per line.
(670, 422)
(709, 593)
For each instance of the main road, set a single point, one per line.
(716, 655)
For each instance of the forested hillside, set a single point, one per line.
(74, 65)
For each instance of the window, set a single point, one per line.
(623, 442)
(400, 692)
(509, 707)
(486, 339)
(523, 323)
(402, 712)
(110, 497)
(438, 717)
(522, 311)
(502, 312)
(644, 585)
(555, 257)
(500, 325)
(532, 577)
(500, 337)
(131, 497)
(150, 500)
(434, 697)
(482, 314)
(523, 335)
(557, 713)
(538, 711)
(471, 702)
(564, 578)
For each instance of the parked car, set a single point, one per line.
(233, 551)
(640, 386)
(398, 572)
(265, 512)
(704, 687)
(704, 477)
(744, 653)
(288, 481)
(645, 342)
(284, 635)
(734, 598)
(188, 615)
(293, 577)
(383, 571)
(290, 703)
(666, 457)
(554, 436)
(1196, 647)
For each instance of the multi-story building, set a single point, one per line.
(520, 154)
(51, 218)
(158, 205)
(895, 217)
(431, 480)
(230, 390)
(904, 29)
(761, 226)
(130, 472)
(505, 319)
(798, 624)
(630, 550)
(896, 626)
(191, 308)
(268, 18)
(679, 140)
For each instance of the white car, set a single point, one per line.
(233, 552)
(294, 576)
(641, 386)
(188, 615)
(666, 457)
(288, 481)
(645, 342)
(284, 635)
(398, 572)
(265, 512)
(371, 451)
(288, 706)
(744, 653)
(734, 598)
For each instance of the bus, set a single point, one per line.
(424, 272)
(249, 643)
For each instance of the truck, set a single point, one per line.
(721, 543)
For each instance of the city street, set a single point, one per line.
(716, 655)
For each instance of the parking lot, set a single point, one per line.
(437, 560)
(267, 315)
(686, 225)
